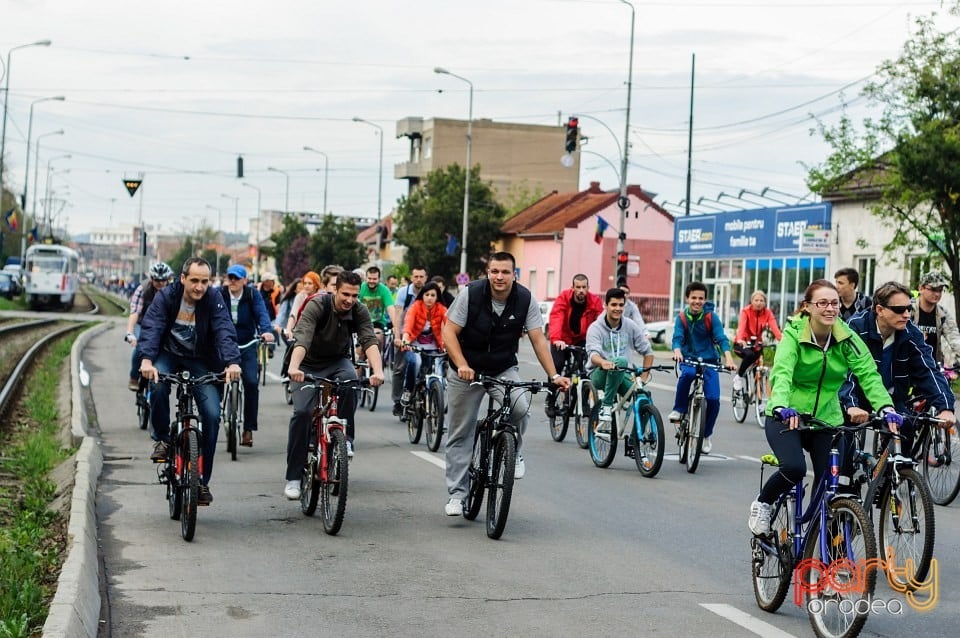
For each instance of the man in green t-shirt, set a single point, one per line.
(378, 300)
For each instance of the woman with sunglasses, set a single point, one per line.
(902, 357)
(815, 356)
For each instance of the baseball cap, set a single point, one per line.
(934, 279)
(237, 271)
(268, 276)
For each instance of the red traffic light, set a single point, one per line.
(622, 258)
(573, 122)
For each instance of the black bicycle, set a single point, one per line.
(143, 403)
(575, 403)
(426, 404)
(693, 423)
(183, 469)
(495, 455)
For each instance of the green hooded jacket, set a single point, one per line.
(807, 378)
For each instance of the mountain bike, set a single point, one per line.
(940, 459)
(324, 478)
(829, 550)
(142, 399)
(575, 403)
(183, 469)
(756, 388)
(495, 455)
(694, 422)
(426, 404)
(636, 420)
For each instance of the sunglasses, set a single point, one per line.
(232, 277)
(898, 310)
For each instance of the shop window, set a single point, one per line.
(867, 267)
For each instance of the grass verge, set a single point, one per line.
(31, 536)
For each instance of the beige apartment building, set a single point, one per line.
(511, 156)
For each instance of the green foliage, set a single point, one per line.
(521, 195)
(435, 210)
(335, 242)
(909, 157)
(289, 265)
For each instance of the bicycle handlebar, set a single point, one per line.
(184, 378)
(255, 341)
(641, 369)
(700, 363)
(314, 381)
(430, 352)
(533, 386)
(810, 423)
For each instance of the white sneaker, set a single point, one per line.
(706, 446)
(737, 382)
(759, 521)
(454, 507)
(292, 490)
(606, 413)
(521, 468)
(675, 417)
(349, 449)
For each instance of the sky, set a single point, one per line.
(174, 91)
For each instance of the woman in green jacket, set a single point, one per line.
(811, 364)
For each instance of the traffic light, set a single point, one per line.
(573, 133)
(622, 258)
(240, 166)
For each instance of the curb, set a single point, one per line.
(75, 610)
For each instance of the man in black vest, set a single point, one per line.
(481, 335)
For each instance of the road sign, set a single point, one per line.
(463, 279)
(132, 185)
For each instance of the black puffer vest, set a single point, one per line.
(489, 343)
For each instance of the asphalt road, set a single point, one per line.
(586, 551)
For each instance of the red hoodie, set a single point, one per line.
(560, 317)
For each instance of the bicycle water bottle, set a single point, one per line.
(834, 480)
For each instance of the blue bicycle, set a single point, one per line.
(829, 549)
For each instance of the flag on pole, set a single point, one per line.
(602, 226)
(452, 244)
(11, 218)
(35, 234)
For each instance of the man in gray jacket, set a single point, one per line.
(609, 341)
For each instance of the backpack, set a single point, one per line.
(288, 353)
(707, 323)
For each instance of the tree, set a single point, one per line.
(335, 242)
(296, 260)
(293, 229)
(520, 196)
(909, 157)
(432, 214)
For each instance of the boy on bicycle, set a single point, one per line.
(609, 341)
(698, 334)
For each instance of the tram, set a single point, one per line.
(51, 276)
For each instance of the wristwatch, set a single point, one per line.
(127, 337)
(556, 375)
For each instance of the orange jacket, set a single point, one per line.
(417, 317)
(753, 323)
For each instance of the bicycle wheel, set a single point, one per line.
(287, 392)
(906, 526)
(761, 392)
(309, 485)
(772, 563)
(603, 445)
(174, 495)
(373, 392)
(501, 486)
(584, 413)
(740, 400)
(233, 424)
(190, 484)
(698, 418)
(434, 417)
(835, 612)
(143, 409)
(415, 415)
(561, 417)
(333, 493)
(476, 476)
(648, 441)
(941, 473)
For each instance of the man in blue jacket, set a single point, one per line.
(188, 327)
(698, 334)
(903, 358)
(250, 319)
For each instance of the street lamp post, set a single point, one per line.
(216, 270)
(379, 181)
(326, 173)
(6, 95)
(623, 201)
(466, 187)
(236, 211)
(46, 183)
(286, 197)
(26, 174)
(256, 261)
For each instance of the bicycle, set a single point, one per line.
(692, 425)
(829, 550)
(942, 446)
(183, 468)
(325, 474)
(231, 406)
(494, 455)
(427, 399)
(643, 443)
(263, 358)
(577, 402)
(143, 403)
(756, 388)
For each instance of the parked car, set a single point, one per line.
(9, 286)
(545, 308)
(660, 331)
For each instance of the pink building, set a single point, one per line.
(554, 239)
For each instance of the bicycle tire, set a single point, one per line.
(501, 487)
(584, 413)
(476, 476)
(761, 392)
(698, 417)
(263, 358)
(287, 392)
(939, 469)
(415, 416)
(648, 441)
(561, 417)
(603, 448)
(740, 401)
(772, 572)
(910, 541)
(191, 485)
(309, 486)
(333, 491)
(233, 426)
(434, 417)
(849, 524)
(174, 495)
(361, 391)
(143, 410)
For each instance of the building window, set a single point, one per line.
(867, 267)
(427, 148)
(532, 283)
(551, 284)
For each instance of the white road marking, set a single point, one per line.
(746, 621)
(431, 458)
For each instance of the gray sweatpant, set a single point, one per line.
(465, 401)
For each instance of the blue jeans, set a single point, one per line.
(251, 387)
(136, 356)
(207, 399)
(711, 391)
(414, 361)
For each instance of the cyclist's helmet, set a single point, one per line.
(161, 272)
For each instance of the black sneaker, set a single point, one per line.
(205, 497)
(160, 451)
(397, 409)
(551, 410)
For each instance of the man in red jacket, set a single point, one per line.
(573, 312)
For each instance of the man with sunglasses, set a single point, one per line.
(903, 359)
(938, 326)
